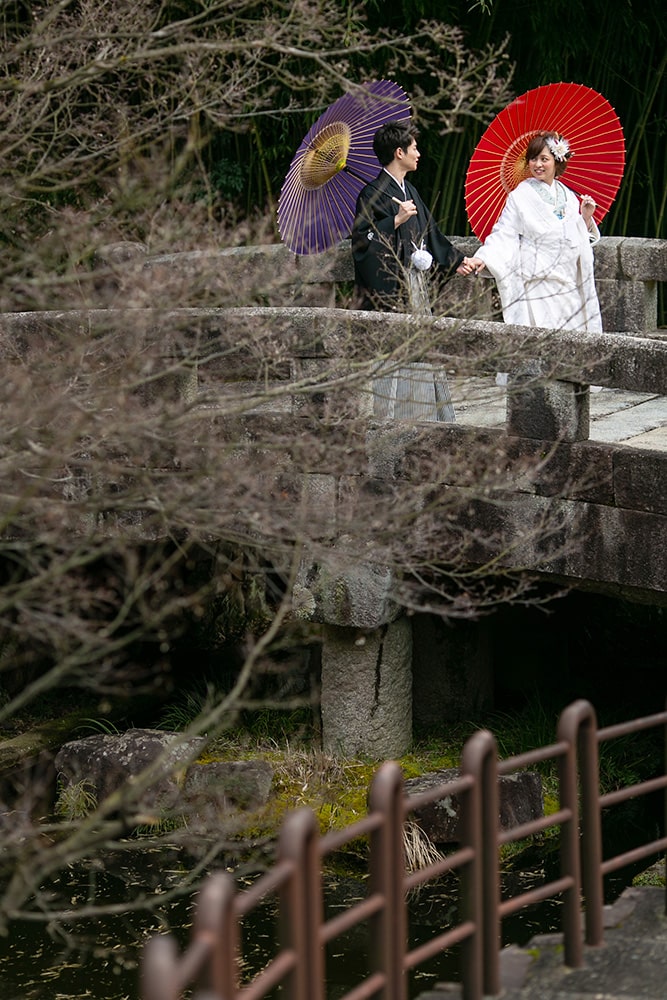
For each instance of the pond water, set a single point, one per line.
(100, 960)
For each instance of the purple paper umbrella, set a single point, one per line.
(334, 161)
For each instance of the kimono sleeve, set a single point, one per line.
(501, 253)
(500, 250)
(374, 218)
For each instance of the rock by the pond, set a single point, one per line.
(520, 800)
(108, 763)
(241, 784)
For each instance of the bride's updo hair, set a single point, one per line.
(556, 144)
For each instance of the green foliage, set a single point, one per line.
(228, 177)
(653, 876)
(571, 41)
(519, 732)
(185, 708)
(622, 762)
(75, 801)
(104, 726)
(435, 755)
(629, 759)
(281, 727)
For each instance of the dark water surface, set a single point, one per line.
(100, 960)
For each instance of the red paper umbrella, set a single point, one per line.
(334, 161)
(585, 118)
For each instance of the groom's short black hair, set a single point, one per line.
(393, 136)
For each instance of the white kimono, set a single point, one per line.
(543, 264)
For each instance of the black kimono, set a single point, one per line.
(386, 280)
(382, 252)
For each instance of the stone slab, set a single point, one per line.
(655, 439)
(629, 419)
(630, 965)
(638, 419)
(478, 402)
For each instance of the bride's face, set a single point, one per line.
(543, 166)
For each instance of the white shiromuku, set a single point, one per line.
(540, 253)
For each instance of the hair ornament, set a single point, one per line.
(559, 148)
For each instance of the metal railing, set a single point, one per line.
(211, 963)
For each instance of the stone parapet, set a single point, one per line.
(632, 258)
(626, 271)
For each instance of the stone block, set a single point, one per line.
(520, 801)
(643, 259)
(306, 499)
(338, 392)
(117, 268)
(109, 763)
(388, 445)
(452, 670)
(341, 588)
(334, 264)
(581, 470)
(548, 410)
(628, 305)
(583, 541)
(640, 480)
(241, 784)
(607, 258)
(622, 547)
(468, 300)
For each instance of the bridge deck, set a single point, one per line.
(634, 418)
(630, 965)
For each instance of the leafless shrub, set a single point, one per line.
(161, 439)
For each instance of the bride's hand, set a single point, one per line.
(587, 208)
(472, 265)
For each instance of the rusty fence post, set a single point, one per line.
(573, 722)
(159, 963)
(217, 923)
(301, 905)
(580, 722)
(387, 868)
(487, 775)
(473, 758)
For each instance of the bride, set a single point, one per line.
(540, 249)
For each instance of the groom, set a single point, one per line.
(391, 224)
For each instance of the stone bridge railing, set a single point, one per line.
(614, 497)
(616, 523)
(610, 501)
(628, 271)
(628, 274)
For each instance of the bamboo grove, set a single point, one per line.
(618, 48)
(240, 146)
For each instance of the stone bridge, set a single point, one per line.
(575, 509)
